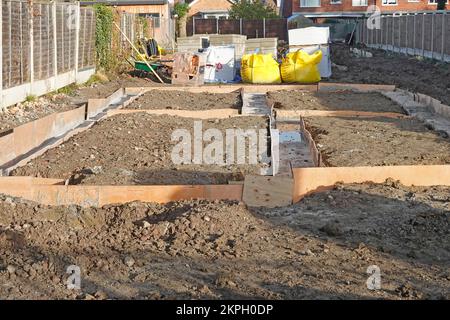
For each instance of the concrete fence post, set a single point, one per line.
(423, 34)
(240, 25)
(55, 44)
(193, 25)
(432, 34)
(367, 31)
(387, 32)
(400, 34)
(444, 17)
(77, 38)
(264, 27)
(414, 32)
(30, 19)
(380, 43)
(406, 34)
(217, 25)
(393, 34)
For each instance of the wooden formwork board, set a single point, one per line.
(30, 140)
(294, 114)
(330, 86)
(257, 88)
(26, 137)
(95, 106)
(311, 180)
(227, 88)
(314, 152)
(266, 191)
(434, 104)
(198, 114)
(51, 192)
(33, 154)
(256, 191)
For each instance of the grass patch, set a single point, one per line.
(31, 98)
(68, 90)
(96, 78)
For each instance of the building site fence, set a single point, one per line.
(425, 34)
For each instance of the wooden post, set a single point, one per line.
(1, 57)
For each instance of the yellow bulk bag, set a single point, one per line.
(300, 67)
(260, 68)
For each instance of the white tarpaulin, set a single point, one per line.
(312, 39)
(220, 64)
(309, 36)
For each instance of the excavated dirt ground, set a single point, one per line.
(426, 76)
(377, 142)
(25, 112)
(136, 149)
(179, 100)
(317, 249)
(43, 106)
(105, 89)
(343, 100)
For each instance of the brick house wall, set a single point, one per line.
(347, 6)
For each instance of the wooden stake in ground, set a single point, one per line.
(137, 51)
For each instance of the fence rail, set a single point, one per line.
(424, 34)
(262, 28)
(45, 46)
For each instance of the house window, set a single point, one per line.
(335, 1)
(389, 2)
(435, 1)
(309, 3)
(215, 16)
(359, 3)
(154, 17)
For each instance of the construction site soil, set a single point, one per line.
(411, 73)
(180, 100)
(43, 106)
(378, 141)
(136, 149)
(320, 248)
(332, 101)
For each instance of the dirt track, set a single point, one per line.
(222, 250)
(137, 149)
(343, 100)
(179, 100)
(380, 141)
(407, 72)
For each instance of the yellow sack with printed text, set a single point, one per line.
(260, 68)
(301, 67)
